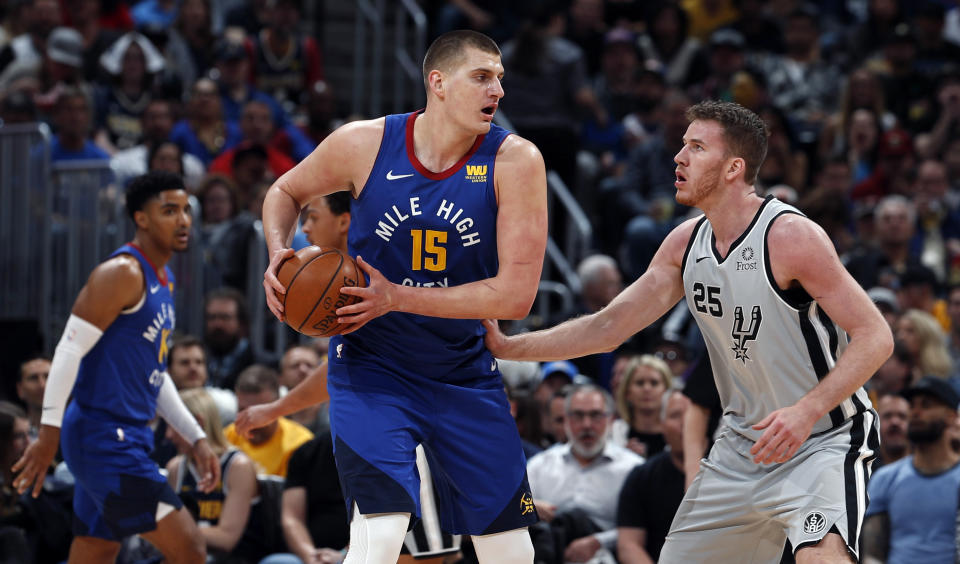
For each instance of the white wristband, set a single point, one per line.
(175, 413)
(79, 336)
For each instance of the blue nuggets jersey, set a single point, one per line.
(122, 374)
(421, 228)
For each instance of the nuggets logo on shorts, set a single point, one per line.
(814, 522)
(526, 504)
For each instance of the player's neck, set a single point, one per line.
(158, 257)
(730, 214)
(438, 143)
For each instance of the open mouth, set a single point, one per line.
(680, 176)
(489, 110)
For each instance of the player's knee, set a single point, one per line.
(511, 547)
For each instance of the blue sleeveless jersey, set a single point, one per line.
(421, 228)
(121, 376)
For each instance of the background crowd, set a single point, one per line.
(862, 98)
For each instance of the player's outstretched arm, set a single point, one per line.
(801, 253)
(342, 161)
(113, 286)
(311, 391)
(639, 305)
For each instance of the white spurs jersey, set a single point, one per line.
(768, 347)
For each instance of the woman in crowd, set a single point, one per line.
(924, 339)
(638, 398)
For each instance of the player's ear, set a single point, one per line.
(435, 78)
(736, 167)
(140, 219)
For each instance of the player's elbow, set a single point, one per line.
(885, 344)
(516, 305)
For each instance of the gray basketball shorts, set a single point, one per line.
(743, 512)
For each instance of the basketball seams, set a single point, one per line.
(330, 281)
(297, 273)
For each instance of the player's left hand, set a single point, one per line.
(378, 298)
(495, 340)
(207, 465)
(786, 429)
(582, 549)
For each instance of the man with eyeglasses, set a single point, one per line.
(575, 485)
(225, 337)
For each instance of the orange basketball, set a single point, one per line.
(313, 278)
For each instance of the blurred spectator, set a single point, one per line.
(270, 446)
(205, 133)
(934, 52)
(548, 84)
(155, 15)
(639, 403)
(727, 57)
(15, 522)
(894, 412)
(233, 75)
(16, 106)
(652, 492)
(861, 143)
(786, 162)
(84, 16)
(166, 156)
(187, 363)
(222, 514)
(906, 90)
(72, 118)
(708, 15)
(953, 340)
(132, 62)
(225, 336)
(218, 205)
(156, 126)
(918, 289)
(913, 502)
(30, 386)
(872, 35)
(895, 224)
(575, 486)
(556, 429)
(894, 375)
(863, 91)
(524, 412)
(946, 128)
(667, 47)
(13, 21)
(60, 68)
(297, 363)
(644, 196)
(800, 82)
(250, 16)
(189, 48)
(315, 522)
(886, 301)
(286, 61)
(496, 18)
(643, 121)
(926, 342)
(320, 108)
(760, 31)
(27, 49)
(554, 377)
(827, 202)
(938, 223)
(586, 27)
(257, 128)
(615, 85)
(600, 281)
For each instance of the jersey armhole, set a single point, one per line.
(143, 297)
(797, 298)
(693, 236)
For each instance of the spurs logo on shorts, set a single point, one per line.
(526, 504)
(741, 335)
(814, 522)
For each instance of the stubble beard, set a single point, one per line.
(702, 188)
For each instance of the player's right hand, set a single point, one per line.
(254, 417)
(272, 286)
(31, 469)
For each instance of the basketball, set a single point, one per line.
(313, 278)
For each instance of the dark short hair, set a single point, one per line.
(338, 202)
(446, 50)
(148, 186)
(156, 149)
(185, 342)
(257, 378)
(229, 294)
(744, 133)
(28, 360)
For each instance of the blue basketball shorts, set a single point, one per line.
(118, 486)
(470, 439)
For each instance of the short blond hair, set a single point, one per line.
(204, 409)
(632, 369)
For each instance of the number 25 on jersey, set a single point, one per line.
(428, 250)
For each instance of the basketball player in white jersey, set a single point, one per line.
(792, 338)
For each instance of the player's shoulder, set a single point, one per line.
(517, 150)
(794, 233)
(120, 269)
(360, 131)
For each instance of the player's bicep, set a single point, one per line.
(113, 286)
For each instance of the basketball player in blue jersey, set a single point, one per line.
(112, 357)
(450, 216)
(775, 307)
